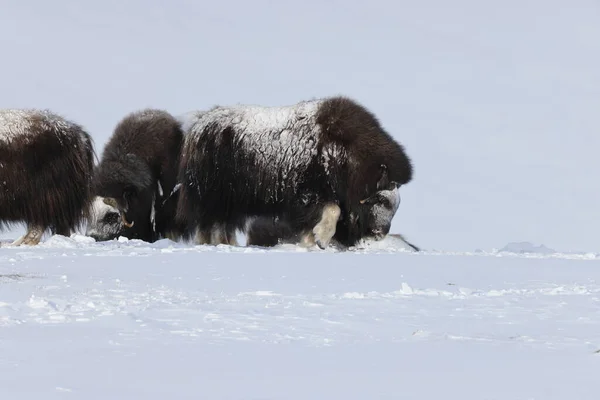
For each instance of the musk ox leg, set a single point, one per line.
(19, 241)
(308, 240)
(265, 232)
(32, 237)
(231, 237)
(222, 234)
(202, 236)
(218, 234)
(325, 228)
(63, 230)
(171, 235)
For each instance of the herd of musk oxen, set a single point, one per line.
(317, 172)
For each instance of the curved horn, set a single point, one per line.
(125, 222)
(369, 199)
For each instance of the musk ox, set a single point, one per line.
(311, 172)
(136, 177)
(46, 167)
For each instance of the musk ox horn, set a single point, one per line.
(367, 200)
(110, 201)
(125, 222)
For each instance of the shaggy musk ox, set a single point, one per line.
(46, 167)
(136, 177)
(310, 172)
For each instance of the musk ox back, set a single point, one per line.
(46, 167)
(136, 177)
(318, 170)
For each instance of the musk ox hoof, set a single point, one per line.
(31, 238)
(325, 228)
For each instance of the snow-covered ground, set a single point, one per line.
(127, 319)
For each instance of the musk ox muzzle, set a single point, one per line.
(106, 221)
(381, 207)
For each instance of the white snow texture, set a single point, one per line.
(126, 319)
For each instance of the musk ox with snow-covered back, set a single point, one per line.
(46, 167)
(307, 172)
(136, 177)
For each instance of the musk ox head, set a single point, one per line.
(105, 222)
(126, 184)
(379, 209)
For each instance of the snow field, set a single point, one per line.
(127, 319)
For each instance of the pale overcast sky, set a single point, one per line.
(497, 103)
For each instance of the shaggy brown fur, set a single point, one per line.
(138, 166)
(46, 167)
(288, 163)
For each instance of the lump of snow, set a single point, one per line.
(526, 247)
(59, 241)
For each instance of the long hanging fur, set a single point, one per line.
(46, 168)
(286, 163)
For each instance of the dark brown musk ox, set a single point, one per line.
(46, 167)
(310, 173)
(135, 181)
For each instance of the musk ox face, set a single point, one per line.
(105, 222)
(124, 184)
(380, 208)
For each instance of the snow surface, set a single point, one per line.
(128, 319)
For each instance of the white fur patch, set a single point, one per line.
(160, 189)
(100, 209)
(95, 225)
(325, 228)
(153, 211)
(18, 122)
(382, 214)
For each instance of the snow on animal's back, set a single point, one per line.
(277, 136)
(21, 123)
